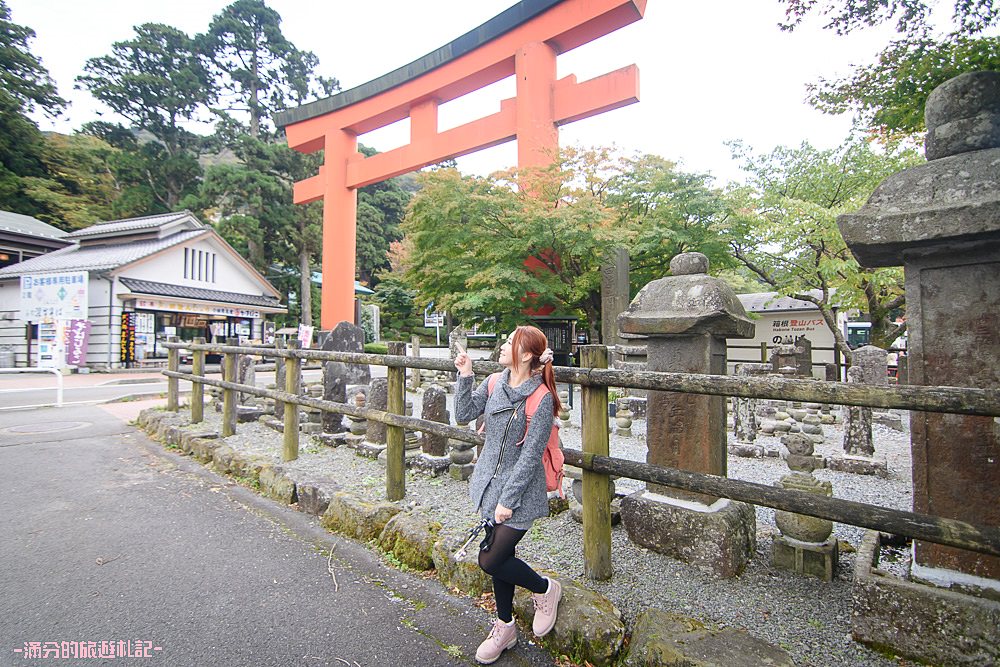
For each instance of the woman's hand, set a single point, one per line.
(502, 514)
(463, 362)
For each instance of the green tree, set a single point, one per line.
(258, 71)
(672, 211)
(470, 239)
(157, 81)
(888, 96)
(782, 227)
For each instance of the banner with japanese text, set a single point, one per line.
(54, 296)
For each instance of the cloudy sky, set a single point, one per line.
(710, 71)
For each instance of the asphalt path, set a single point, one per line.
(105, 536)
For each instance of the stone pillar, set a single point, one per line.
(375, 437)
(246, 374)
(614, 294)
(346, 337)
(941, 222)
(745, 423)
(414, 372)
(434, 448)
(334, 389)
(687, 318)
(804, 545)
(858, 422)
(804, 356)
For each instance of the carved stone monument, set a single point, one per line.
(614, 294)
(687, 318)
(346, 337)
(941, 222)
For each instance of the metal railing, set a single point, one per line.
(594, 459)
(54, 371)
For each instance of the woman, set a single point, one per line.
(508, 483)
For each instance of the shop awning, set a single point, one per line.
(148, 288)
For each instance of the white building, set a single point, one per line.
(783, 319)
(160, 276)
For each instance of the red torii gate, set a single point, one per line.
(523, 41)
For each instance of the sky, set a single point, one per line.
(710, 71)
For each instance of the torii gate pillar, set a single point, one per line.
(522, 41)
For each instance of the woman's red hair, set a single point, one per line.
(530, 339)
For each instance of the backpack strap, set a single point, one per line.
(535, 399)
(491, 382)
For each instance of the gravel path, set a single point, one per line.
(807, 617)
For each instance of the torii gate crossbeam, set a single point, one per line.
(522, 41)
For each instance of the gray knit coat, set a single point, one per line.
(509, 469)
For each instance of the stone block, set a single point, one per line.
(859, 465)
(246, 466)
(203, 448)
(349, 515)
(720, 540)
(588, 627)
(662, 639)
(465, 574)
(576, 510)
(369, 450)
(460, 473)
(410, 537)
(277, 485)
(746, 450)
(314, 497)
(817, 560)
(222, 459)
(246, 414)
(919, 621)
(431, 465)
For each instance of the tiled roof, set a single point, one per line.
(130, 225)
(97, 258)
(184, 292)
(25, 224)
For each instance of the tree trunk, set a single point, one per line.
(305, 287)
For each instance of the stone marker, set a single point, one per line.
(435, 408)
(346, 337)
(745, 423)
(804, 545)
(941, 222)
(614, 294)
(246, 374)
(858, 422)
(334, 389)
(687, 318)
(377, 399)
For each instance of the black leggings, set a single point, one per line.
(507, 571)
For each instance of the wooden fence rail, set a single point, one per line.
(598, 466)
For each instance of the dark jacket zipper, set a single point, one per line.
(503, 442)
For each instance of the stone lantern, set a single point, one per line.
(687, 318)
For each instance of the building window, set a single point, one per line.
(185, 262)
(213, 267)
(199, 264)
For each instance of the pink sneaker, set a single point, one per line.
(546, 608)
(501, 637)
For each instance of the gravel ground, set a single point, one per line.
(807, 617)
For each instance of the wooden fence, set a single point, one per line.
(594, 459)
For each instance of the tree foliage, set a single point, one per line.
(912, 16)
(22, 75)
(782, 227)
(257, 70)
(469, 238)
(888, 96)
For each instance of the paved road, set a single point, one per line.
(106, 537)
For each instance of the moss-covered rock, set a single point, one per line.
(465, 574)
(588, 626)
(246, 467)
(662, 639)
(203, 448)
(349, 515)
(410, 537)
(222, 458)
(275, 484)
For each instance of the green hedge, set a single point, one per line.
(376, 348)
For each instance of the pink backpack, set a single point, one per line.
(552, 457)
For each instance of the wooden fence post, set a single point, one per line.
(197, 388)
(293, 381)
(229, 395)
(173, 364)
(763, 353)
(596, 487)
(395, 456)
